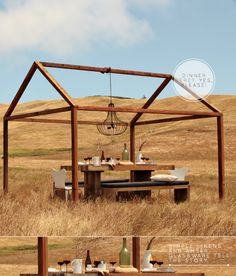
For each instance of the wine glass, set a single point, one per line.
(86, 160)
(160, 263)
(152, 262)
(169, 268)
(60, 262)
(112, 268)
(66, 262)
(89, 159)
(143, 159)
(112, 263)
(96, 263)
(146, 159)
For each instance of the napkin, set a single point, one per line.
(123, 162)
(52, 269)
(124, 269)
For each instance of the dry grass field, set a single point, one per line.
(20, 254)
(37, 148)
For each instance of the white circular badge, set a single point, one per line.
(197, 76)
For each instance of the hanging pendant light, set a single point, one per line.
(112, 124)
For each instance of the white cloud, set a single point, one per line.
(61, 27)
(151, 3)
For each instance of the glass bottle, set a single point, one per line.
(124, 256)
(88, 259)
(125, 153)
(103, 157)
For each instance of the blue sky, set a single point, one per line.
(146, 35)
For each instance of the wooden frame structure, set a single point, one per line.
(73, 108)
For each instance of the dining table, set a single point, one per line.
(122, 274)
(138, 172)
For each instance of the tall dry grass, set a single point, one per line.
(29, 210)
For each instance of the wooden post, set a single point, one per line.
(135, 175)
(42, 256)
(92, 184)
(132, 147)
(5, 156)
(221, 170)
(74, 147)
(136, 252)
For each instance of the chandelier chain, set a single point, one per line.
(110, 88)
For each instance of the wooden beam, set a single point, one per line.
(175, 119)
(150, 100)
(21, 90)
(210, 106)
(151, 111)
(55, 84)
(42, 256)
(74, 152)
(136, 252)
(47, 121)
(56, 121)
(38, 113)
(105, 70)
(132, 143)
(221, 169)
(5, 156)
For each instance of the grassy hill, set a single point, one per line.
(28, 138)
(36, 148)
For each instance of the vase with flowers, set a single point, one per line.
(148, 255)
(140, 155)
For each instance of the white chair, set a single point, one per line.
(59, 182)
(180, 173)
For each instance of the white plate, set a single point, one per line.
(149, 270)
(167, 269)
(51, 269)
(164, 270)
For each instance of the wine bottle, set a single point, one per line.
(88, 259)
(103, 157)
(125, 153)
(124, 256)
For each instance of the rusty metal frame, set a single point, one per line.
(74, 109)
(42, 256)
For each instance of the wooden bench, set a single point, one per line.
(181, 188)
(81, 183)
(60, 193)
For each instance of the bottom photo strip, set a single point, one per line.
(175, 256)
